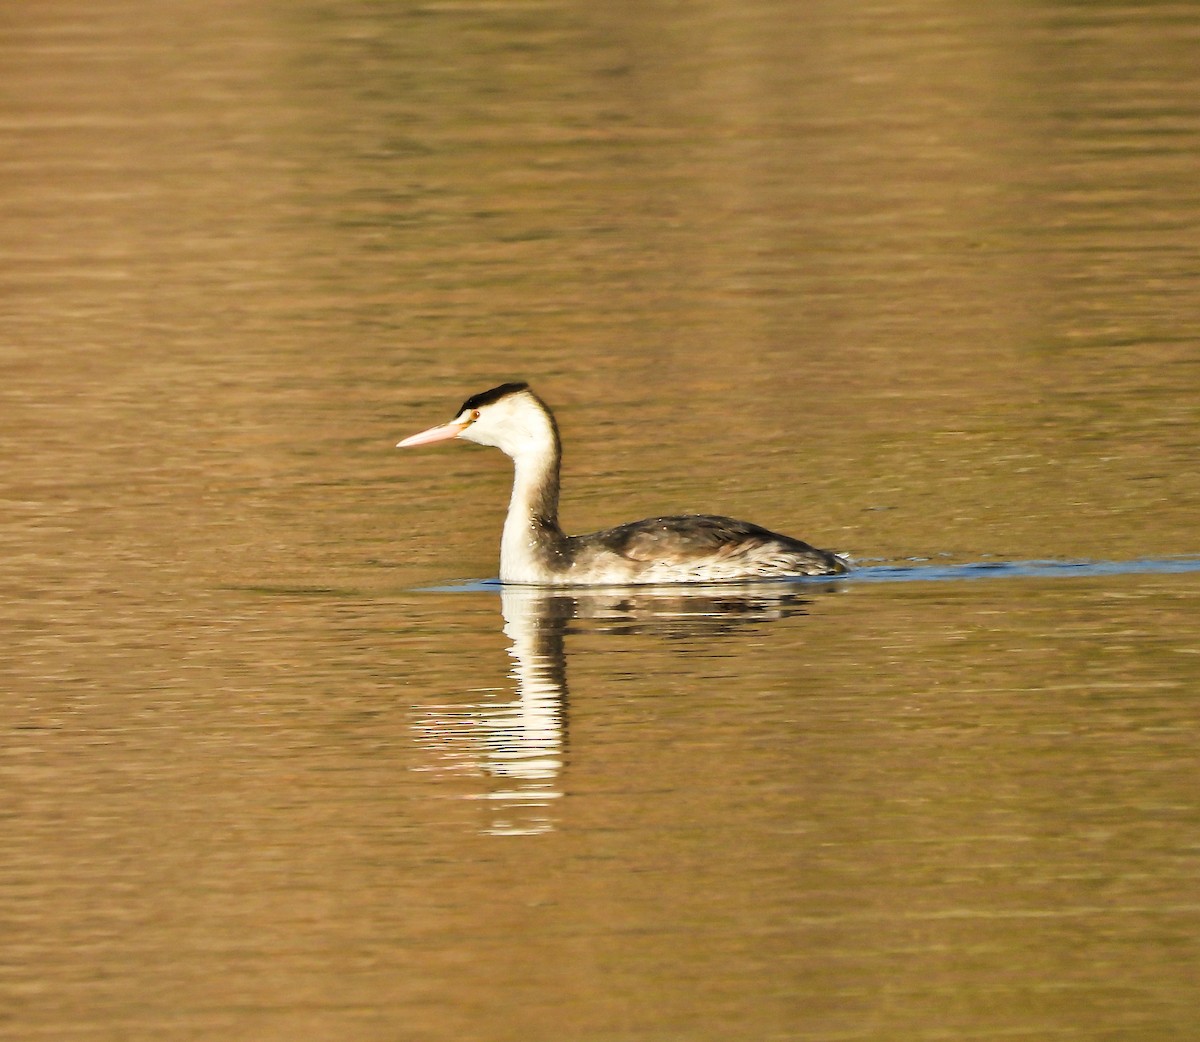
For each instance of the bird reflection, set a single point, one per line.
(518, 744)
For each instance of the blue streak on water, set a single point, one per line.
(891, 573)
(1022, 570)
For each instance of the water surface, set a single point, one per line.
(906, 280)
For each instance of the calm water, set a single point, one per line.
(909, 280)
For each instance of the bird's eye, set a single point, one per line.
(474, 415)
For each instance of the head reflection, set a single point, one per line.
(518, 744)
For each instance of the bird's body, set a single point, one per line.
(535, 550)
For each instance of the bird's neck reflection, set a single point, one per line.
(524, 738)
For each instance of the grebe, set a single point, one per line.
(535, 551)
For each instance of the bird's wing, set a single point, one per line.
(687, 537)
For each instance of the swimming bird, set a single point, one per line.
(534, 550)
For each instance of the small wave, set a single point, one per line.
(1020, 570)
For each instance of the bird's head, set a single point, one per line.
(510, 417)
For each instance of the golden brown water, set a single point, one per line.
(908, 280)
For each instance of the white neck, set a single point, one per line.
(531, 538)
